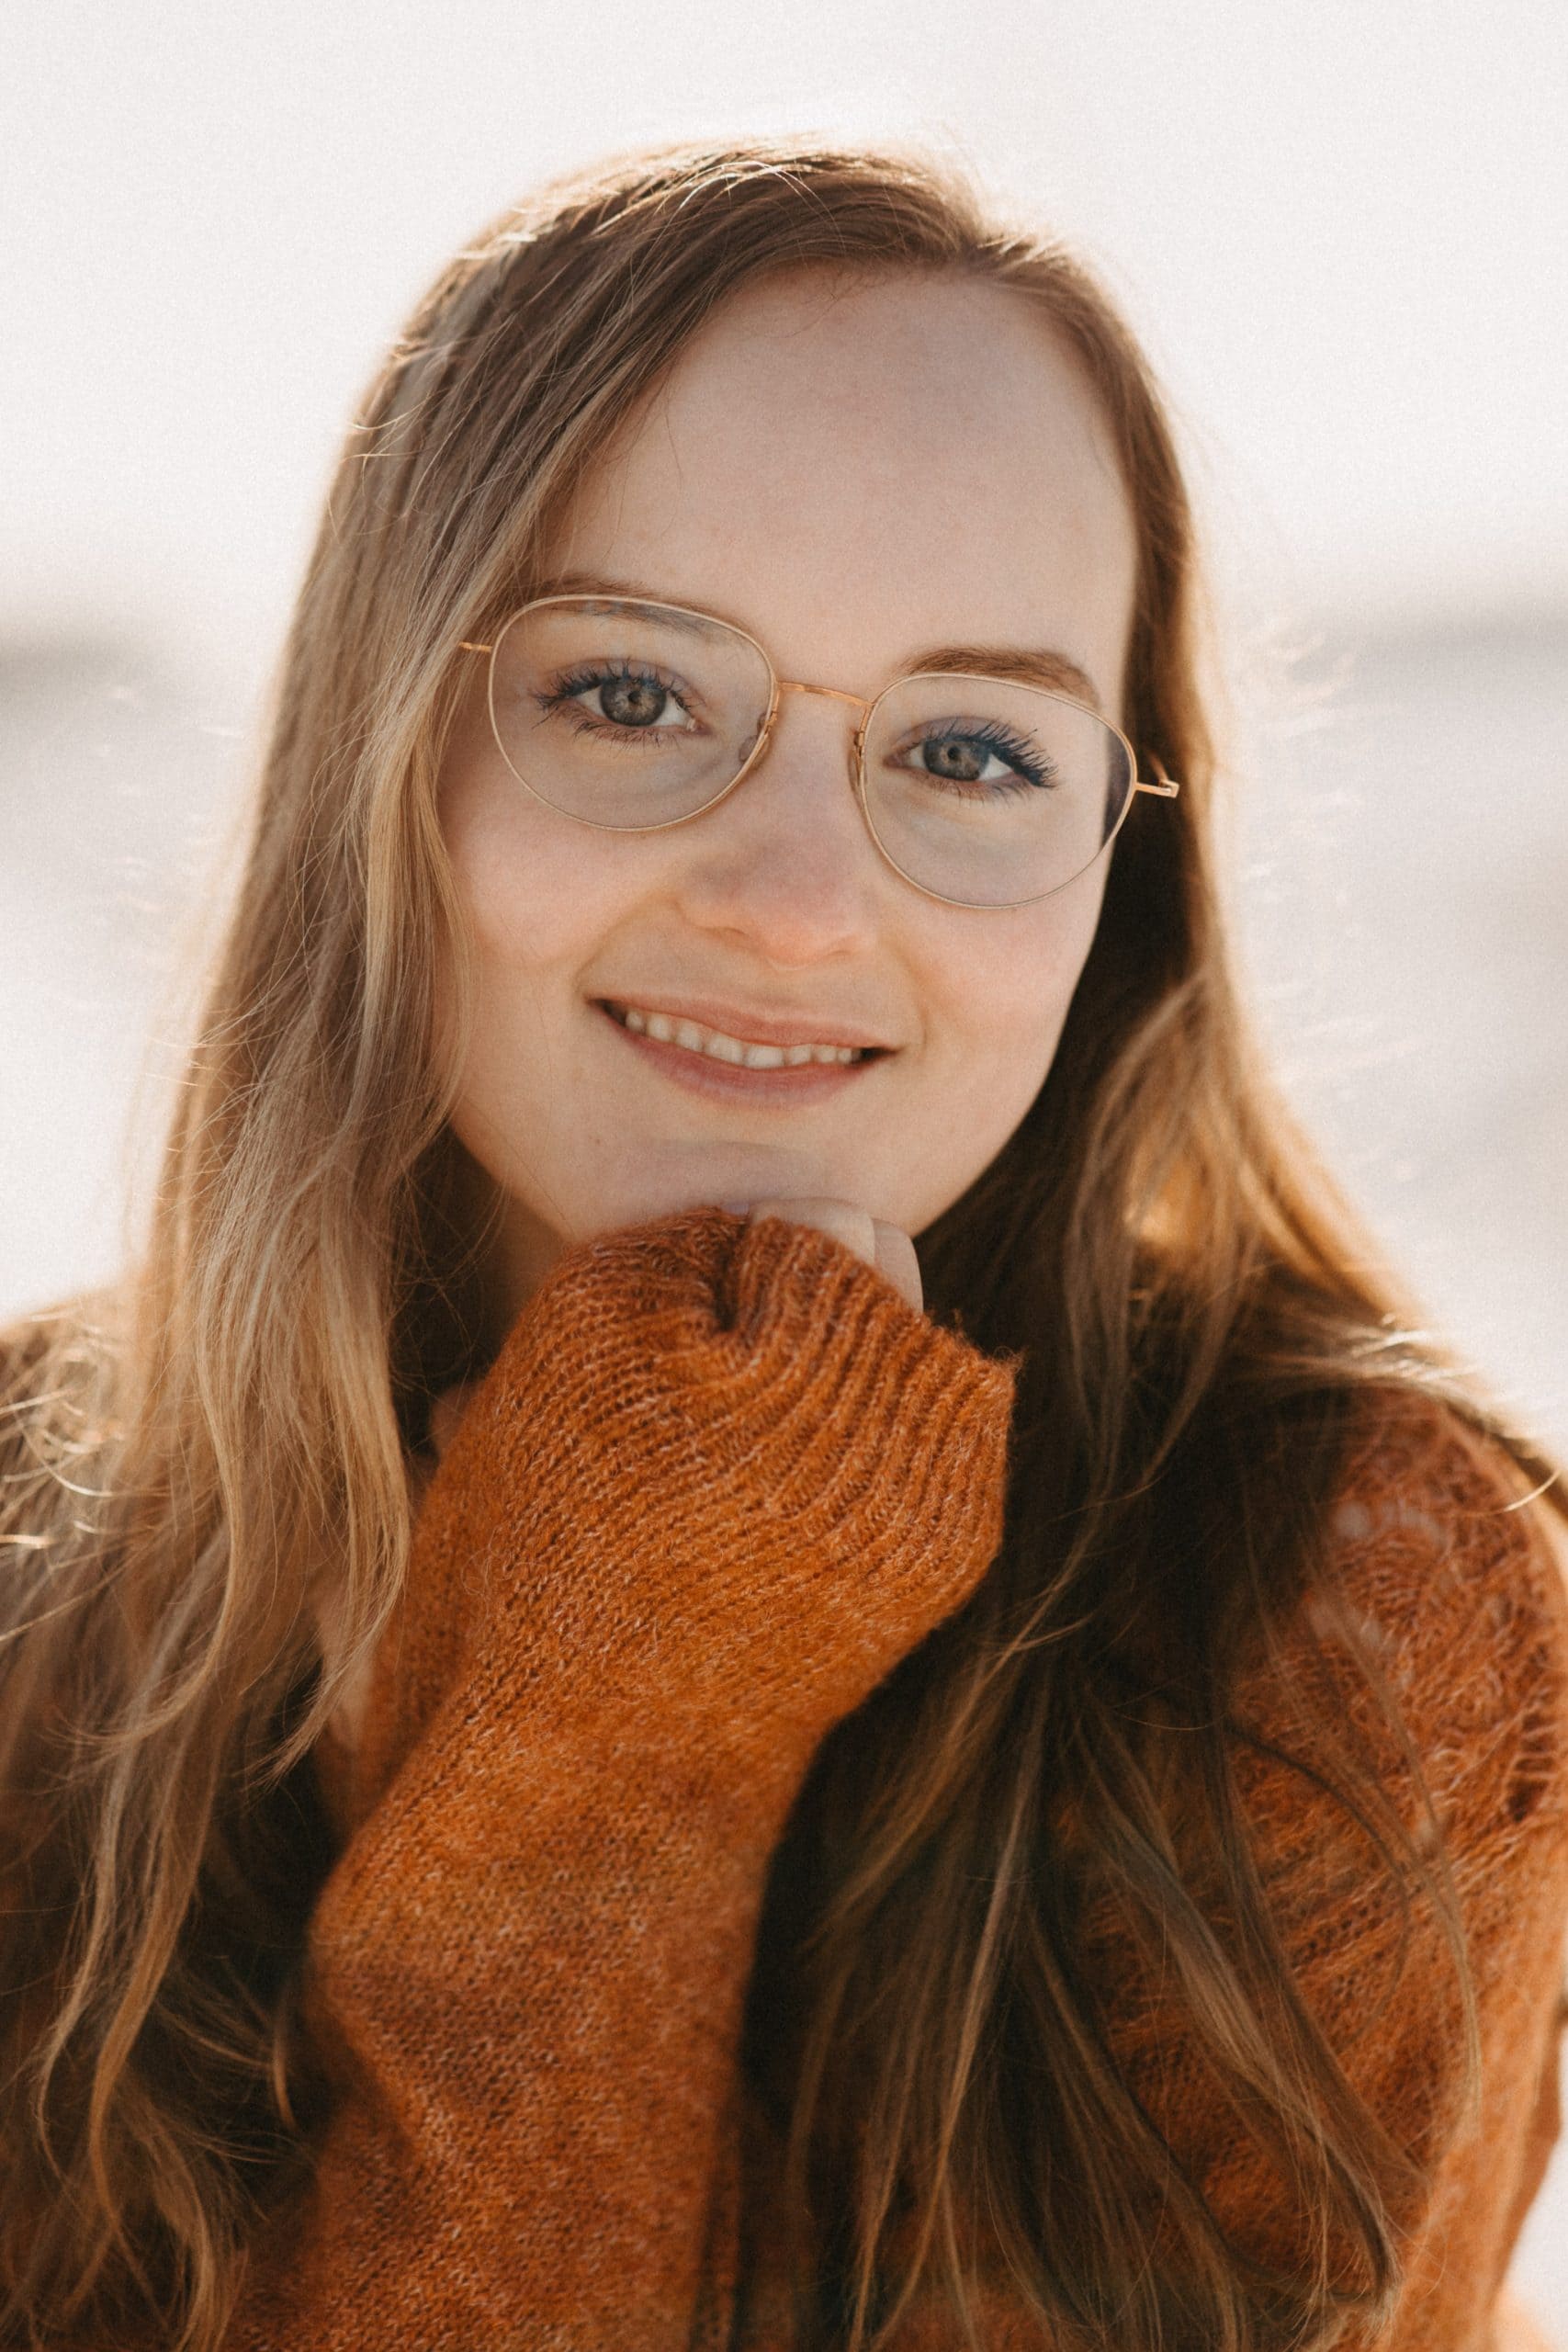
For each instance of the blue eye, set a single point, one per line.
(982, 752)
(618, 699)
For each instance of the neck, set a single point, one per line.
(515, 1250)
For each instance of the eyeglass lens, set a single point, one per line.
(632, 715)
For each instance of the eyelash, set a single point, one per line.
(1033, 776)
(599, 674)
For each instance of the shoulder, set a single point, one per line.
(1438, 1557)
(25, 1347)
(57, 1369)
(1434, 1524)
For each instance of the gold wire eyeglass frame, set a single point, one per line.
(1160, 786)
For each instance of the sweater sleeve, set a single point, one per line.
(1437, 1571)
(718, 1480)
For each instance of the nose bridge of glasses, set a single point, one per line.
(830, 694)
(861, 703)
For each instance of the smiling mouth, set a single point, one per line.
(738, 1052)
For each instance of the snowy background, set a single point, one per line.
(1343, 232)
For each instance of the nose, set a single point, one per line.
(786, 860)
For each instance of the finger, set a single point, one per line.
(886, 1246)
(896, 1256)
(841, 1220)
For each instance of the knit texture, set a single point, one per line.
(718, 1481)
(1460, 1601)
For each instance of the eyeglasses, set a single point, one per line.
(633, 717)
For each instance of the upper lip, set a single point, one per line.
(750, 1027)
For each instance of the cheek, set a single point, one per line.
(1008, 994)
(534, 894)
(535, 903)
(998, 992)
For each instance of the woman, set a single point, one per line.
(601, 1749)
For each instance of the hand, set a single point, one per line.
(697, 1432)
(886, 1246)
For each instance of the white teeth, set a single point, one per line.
(669, 1030)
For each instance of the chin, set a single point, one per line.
(670, 1177)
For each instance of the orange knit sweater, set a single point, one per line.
(720, 1479)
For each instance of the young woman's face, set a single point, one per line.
(856, 475)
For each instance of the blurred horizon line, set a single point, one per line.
(37, 638)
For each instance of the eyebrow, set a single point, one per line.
(1029, 666)
(629, 592)
(1026, 665)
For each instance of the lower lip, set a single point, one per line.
(731, 1081)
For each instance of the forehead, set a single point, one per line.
(857, 466)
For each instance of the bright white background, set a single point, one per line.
(1343, 232)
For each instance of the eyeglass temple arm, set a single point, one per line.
(1160, 786)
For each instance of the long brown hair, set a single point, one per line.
(205, 1510)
